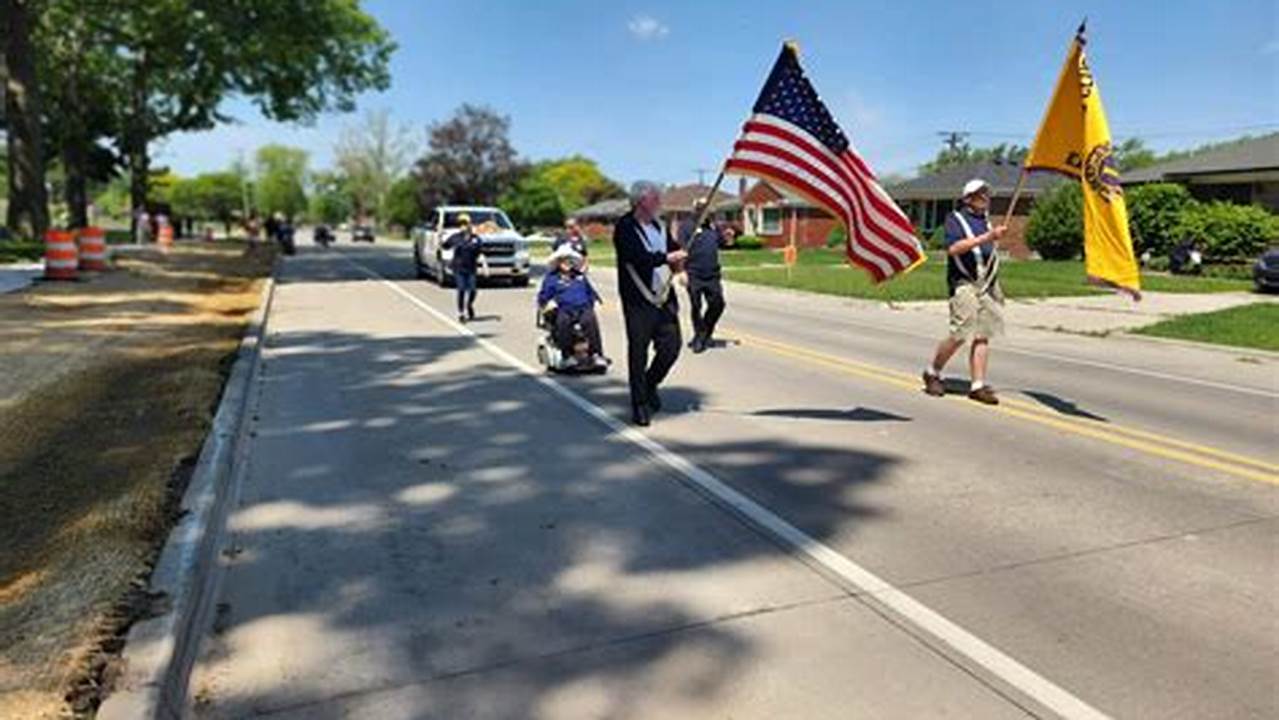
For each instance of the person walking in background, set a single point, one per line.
(646, 261)
(573, 238)
(704, 283)
(467, 248)
(976, 300)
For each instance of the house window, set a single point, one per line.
(772, 224)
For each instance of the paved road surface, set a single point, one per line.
(427, 531)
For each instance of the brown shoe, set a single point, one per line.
(984, 394)
(933, 385)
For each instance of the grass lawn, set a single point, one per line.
(1251, 326)
(826, 271)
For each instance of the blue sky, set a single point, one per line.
(657, 89)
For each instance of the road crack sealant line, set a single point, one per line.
(1132, 438)
(160, 652)
(952, 642)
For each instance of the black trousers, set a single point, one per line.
(564, 320)
(647, 326)
(710, 290)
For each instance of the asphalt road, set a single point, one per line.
(427, 529)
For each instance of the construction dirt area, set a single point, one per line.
(108, 388)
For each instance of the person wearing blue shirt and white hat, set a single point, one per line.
(976, 299)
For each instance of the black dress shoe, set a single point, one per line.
(699, 345)
(640, 416)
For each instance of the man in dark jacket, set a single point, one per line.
(704, 281)
(646, 262)
(467, 248)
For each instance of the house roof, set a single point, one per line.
(1247, 155)
(681, 197)
(947, 183)
(604, 209)
(787, 199)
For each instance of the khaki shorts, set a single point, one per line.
(976, 316)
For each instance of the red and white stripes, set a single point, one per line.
(880, 237)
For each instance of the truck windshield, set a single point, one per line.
(480, 219)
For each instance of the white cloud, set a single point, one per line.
(646, 27)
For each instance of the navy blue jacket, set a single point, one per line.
(628, 243)
(466, 247)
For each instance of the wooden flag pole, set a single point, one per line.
(710, 198)
(1021, 182)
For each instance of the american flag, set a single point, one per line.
(792, 140)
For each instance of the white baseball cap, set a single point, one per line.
(975, 185)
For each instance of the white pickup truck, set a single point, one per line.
(505, 254)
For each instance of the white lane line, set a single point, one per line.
(860, 579)
(1170, 377)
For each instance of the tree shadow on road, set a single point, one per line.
(416, 516)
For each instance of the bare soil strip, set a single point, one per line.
(107, 391)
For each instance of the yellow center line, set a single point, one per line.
(1132, 438)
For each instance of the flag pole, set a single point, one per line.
(1012, 205)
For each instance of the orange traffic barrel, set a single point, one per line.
(166, 235)
(93, 249)
(61, 259)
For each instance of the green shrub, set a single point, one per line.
(1226, 231)
(837, 238)
(1158, 263)
(749, 242)
(1154, 212)
(1056, 227)
(119, 237)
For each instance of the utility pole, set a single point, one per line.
(953, 138)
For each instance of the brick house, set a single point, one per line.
(927, 199)
(780, 217)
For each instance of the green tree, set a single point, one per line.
(281, 180)
(373, 156)
(533, 202)
(181, 58)
(28, 213)
(1056, 226)
(1132, 154)
(78, 72)
(1154, 212)
(330, 201)
(217, 196)
(401, 207)
(963, 154)
(469, 159)
(577, 181)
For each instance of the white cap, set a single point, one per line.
(975, 185)
(564, 252)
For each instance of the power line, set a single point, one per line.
(953, 138)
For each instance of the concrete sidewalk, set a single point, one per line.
(1099, 314)
(16, 276)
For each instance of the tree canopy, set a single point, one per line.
(281, 180)
(469, 159)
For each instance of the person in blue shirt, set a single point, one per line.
(467, 248)
(976, 300)
(574, 299)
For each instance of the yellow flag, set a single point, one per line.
(1074, 138)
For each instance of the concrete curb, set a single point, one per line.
(159, 652)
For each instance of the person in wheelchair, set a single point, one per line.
(566, 303)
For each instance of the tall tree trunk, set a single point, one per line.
(28, 199)
(136, 151)
(75, 163)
